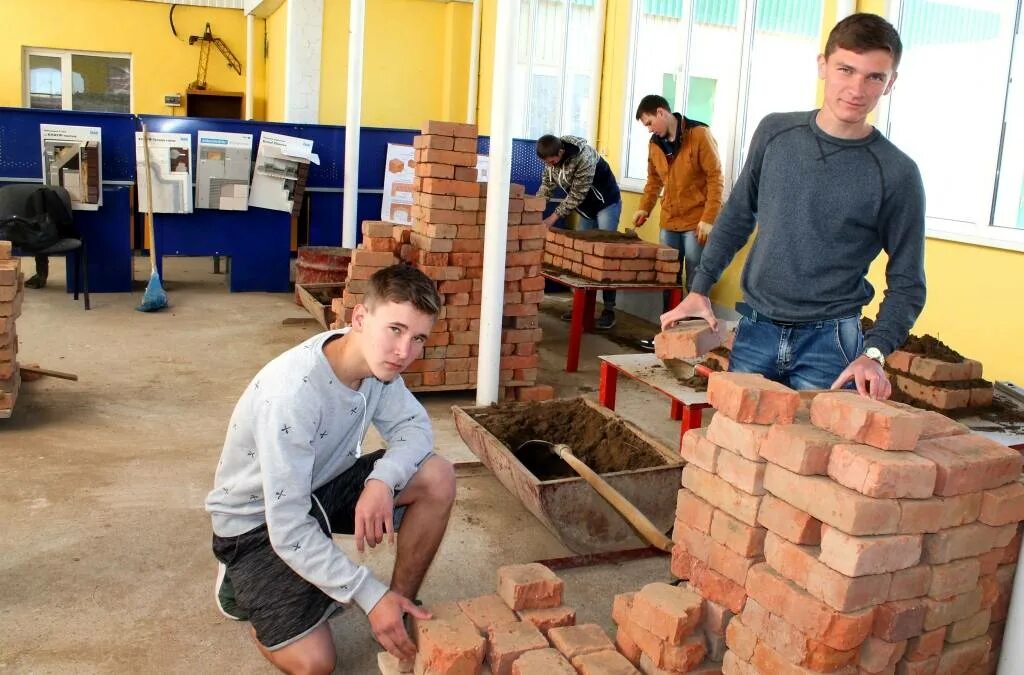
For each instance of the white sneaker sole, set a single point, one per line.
(222, 571)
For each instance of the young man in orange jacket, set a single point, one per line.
(683, 168)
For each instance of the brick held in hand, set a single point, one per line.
(529, 586)
(688, 339)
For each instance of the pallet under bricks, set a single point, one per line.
(445, 241)
(11, 293)
(838, 534)
(940, 385)
(625, 261)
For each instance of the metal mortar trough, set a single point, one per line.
(570, 507)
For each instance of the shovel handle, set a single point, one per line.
(631, 513)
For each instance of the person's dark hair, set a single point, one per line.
(548, 146)
(864, 33)
(403, 283)
(649, 105)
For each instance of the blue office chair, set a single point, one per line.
(27, 202)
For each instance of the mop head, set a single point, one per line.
(154, 298)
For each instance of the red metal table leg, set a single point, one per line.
(693, 416)
(572, 359)
(675, 296)
(676, 412)
(606, 387)
(588, 311)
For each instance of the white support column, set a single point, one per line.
(353, 119)
(496, 226)
(474, 65)
(305, 26)
(250, 30)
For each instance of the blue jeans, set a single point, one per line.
(802, 356)
(607, 220)
(689, 254)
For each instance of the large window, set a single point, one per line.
(69, 80)
(966, 54)
(724, 62)
(557, 67)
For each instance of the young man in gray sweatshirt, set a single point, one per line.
(293, 471)
(827, 193)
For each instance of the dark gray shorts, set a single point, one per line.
(283, 607)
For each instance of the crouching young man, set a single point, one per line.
(293, 471)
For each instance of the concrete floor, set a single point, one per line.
(107, 566)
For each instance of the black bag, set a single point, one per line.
(40, 221)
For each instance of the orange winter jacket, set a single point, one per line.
(692, 182)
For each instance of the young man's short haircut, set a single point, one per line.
(864, 33)
(403, 283)
(548, 146)
(649, 105)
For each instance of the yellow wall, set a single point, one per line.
(161, 63)
(277, 40)
(416, 57)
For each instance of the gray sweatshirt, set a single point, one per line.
(296, 428)
(825, 207)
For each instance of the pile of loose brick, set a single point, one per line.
(840, 534)
(524, 629)
(446, 242)
(11, 291)
(627, 261)
(939, 385)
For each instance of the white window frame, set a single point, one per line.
(66, 93)
(984, 232)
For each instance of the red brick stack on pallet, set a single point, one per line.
(524, 629)
(939, 385)
(11, 291)
(877, 538)
(628, 261)
(446, 241)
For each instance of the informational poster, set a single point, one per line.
(282, 166)
(170, 172)
(396, 207)
(222, 171)
(399, 172)
(72, 160)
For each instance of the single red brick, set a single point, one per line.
(789, 522)
(697, 449)
(959, 576)
(681, 563)
(507, 642)
(625, 644)
(900, 360)
(877, 655)
(546, 619)
(739, 537)
(973, 626)
(667, 611)
(529, 586)
(622, 604)
(865, 420)
(716, 587)
(933, 395)
(950, 610)
(734, 665)
(687, 339)
(542, 662)
(740, 638)
(963, 657)
(881, 473)
(738, 437)
(899, 619)
(941, 371)
(607, 662)
(859, 556)
(748, 397)
(694, 511)
(938, 513)
(800, 448)
(682, 658)
(1003, 505)
(448, 647)
(965, 541)
(926, 666)
(486, 611)
(926, 645)
(712, 489)
(912, 582)
(573, 641)
(838, 630)
(832, 503)
(970, 463)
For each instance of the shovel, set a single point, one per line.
(632, 514)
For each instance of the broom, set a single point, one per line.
(154, 298)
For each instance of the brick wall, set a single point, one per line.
(11, 292)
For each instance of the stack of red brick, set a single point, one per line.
(876, 538)
(628, 261)
(524, 629)
(665, 629)
(940, 385)
(11, 291)
(446, 242)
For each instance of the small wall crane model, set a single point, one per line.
(205, 40)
